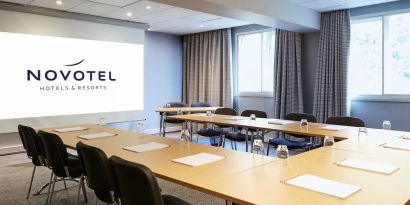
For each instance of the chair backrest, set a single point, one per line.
(299, 116)
(257, 113)
(96, 169)
(201, 104)
(56, 153)
(225, 111)
(32, 144)
(135, 182)
(347, 121)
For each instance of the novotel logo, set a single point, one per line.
(78, 75)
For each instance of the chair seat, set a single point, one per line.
(290, 144)
(172, 200)
(235, 136)
(209, 132)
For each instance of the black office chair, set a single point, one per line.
(172, 121)
(217, 131)
(137, 184)
(306, 145)
(62, 164)
(97, 172)
(199, 104)
(32, 145)
(238, 136)
(346, 121)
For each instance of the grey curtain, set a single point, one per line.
(331, 75)
(207, 68)
(288, 76)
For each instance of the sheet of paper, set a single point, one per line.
(333, 127)
(368, 166)
(398, 144)
(280, 122)
(146, 147)
(70, 129)
(198, 159)
(97, 135)
(236, 118)
(325, 186)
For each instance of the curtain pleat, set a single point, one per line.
(207, 68)
(331, 76)
(288, 77)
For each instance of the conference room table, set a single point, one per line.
(312, 129)
(246, 178)
(164, 110)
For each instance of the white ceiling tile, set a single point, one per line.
(166, 15)
(173, 23)
(18, 1)
(332, 5)
(137, 9)
(93, 8)
(202, 17)
(300, 1)
(120, 3)
(334, 8)
(66, 4)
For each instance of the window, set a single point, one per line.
(379, 61)
(255, 63)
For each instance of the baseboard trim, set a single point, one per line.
(17, 149)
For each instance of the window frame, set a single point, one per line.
(237, 93)
(383, 97)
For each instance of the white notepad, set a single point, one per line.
(70, 129)
(198, 159)
(146, 147)
(325, 186)
(333, 127)
(237, 118)
(368, 166)
(97, 135)
(280, 122)
(399, 144)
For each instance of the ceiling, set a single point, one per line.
(160, 17)
(332, 5)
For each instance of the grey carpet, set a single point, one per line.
(15, 173)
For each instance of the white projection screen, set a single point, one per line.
(57, 78)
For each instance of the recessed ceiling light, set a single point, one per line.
(201, 26)
(58, 2)
(149, 29)
(148, 7)
(129, 14)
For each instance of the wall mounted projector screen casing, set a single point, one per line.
(50, 80)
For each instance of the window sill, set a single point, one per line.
(384, 98)
(258, 95)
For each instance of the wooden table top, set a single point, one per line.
(159, 161)
(186, 109)
(313, 129)
(264, 185)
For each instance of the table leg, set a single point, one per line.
(247, 139)
(160, 125)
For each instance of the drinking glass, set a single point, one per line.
(257, 147)
(252, 117)
(362, 130)
(282, 152)
(208, 113)
(179, 111)
(303, 122)
(386, 125)
(101, 121)
(185, 135)
(168, 105)
(328, 141)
